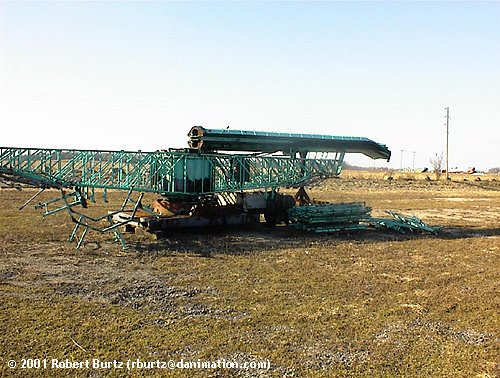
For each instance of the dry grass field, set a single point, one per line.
(366, 303)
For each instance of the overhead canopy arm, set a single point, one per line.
(260, 141)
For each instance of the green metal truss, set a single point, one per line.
(167, 173)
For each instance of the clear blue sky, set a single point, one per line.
(138, 75)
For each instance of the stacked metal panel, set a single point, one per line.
(330, 217)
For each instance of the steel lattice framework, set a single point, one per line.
(163, 172)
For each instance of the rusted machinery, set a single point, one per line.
(199, 186)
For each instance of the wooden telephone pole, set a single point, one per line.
(447, 138)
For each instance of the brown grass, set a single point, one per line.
(362, 304)
(354, 174)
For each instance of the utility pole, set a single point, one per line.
(414, 160)
(447, 138)
(401, 164)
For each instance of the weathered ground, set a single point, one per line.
(361, 304)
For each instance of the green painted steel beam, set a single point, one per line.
(260, 141)
(166, 173)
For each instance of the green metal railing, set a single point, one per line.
(166, 173)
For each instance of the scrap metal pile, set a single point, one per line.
(402, 224)
(330, 218)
